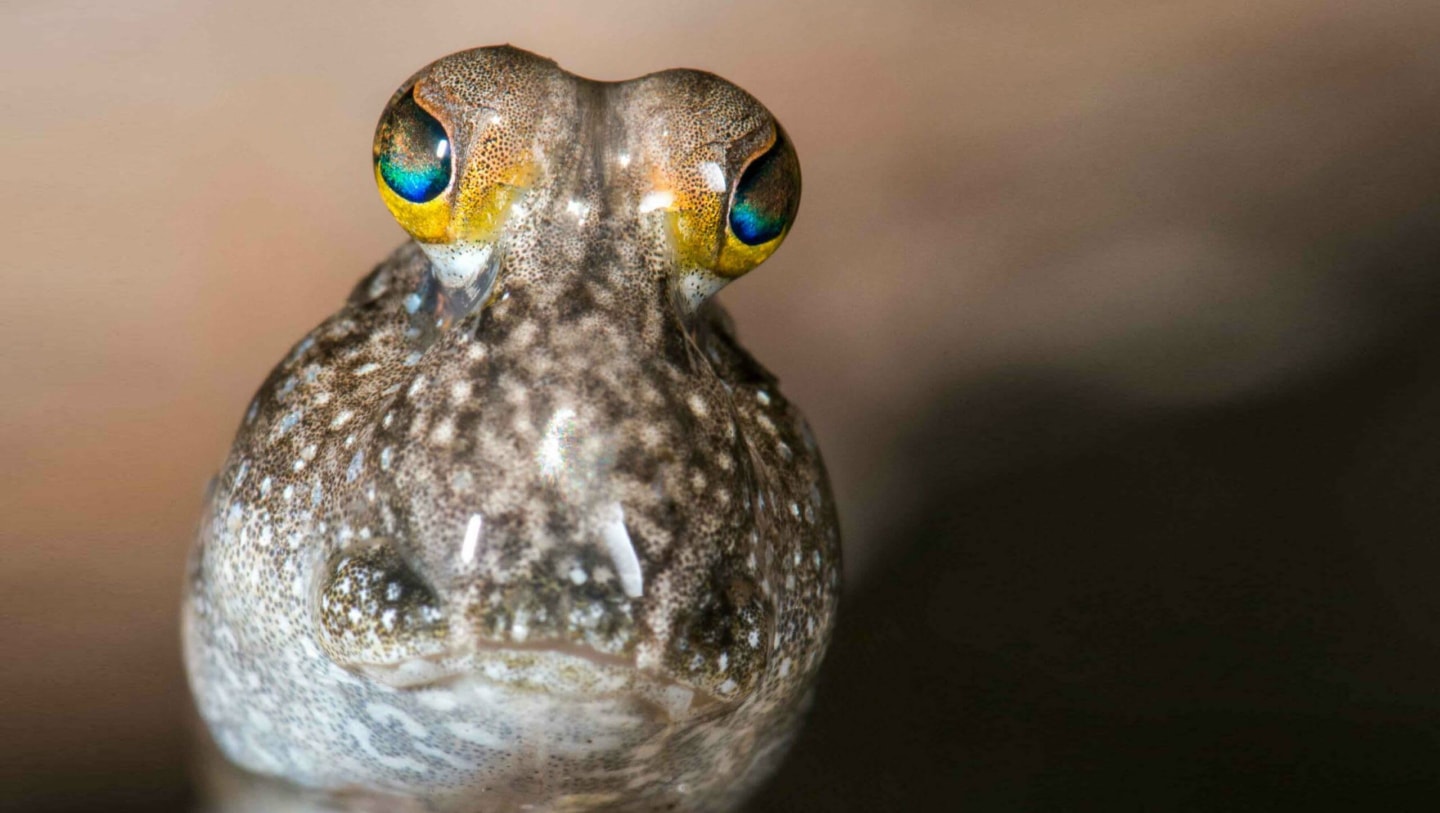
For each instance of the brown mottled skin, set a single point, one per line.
(538, 534)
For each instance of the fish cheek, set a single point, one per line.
(719, 644)
(372, 609)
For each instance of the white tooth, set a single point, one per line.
(472, 538)
(622, 552)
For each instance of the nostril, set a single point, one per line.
(372, 608)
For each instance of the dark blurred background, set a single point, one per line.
(1116, 321)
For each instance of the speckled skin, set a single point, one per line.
(542, 535)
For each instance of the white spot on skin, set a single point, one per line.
(356, 465)
(288, 422)
(443, 434)
(260, 721)
(443, 756)
(473, 733)
(460, 391)
(524, 334)
(438, 699)
(551, 454)
(579, 209)
(384, 713)
(367, 368)
(462, 481)
(714, 176)
(657, 199)
(357, 729)
(234, 517)
(342, 419)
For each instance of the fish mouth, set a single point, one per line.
(558, 670)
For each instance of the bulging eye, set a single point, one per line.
(767, 194)
(413, 151)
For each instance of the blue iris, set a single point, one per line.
(767, 195)
(413, 151)
(753, 226)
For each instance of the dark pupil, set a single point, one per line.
(767, 194)
(413, 151)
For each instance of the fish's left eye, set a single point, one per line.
(767, 194)
(413, 151)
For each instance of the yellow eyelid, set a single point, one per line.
(698, 217)
(485, 199)
(737, 257)
(477, 216)
(427, 222)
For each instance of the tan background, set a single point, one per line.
(1140, 210)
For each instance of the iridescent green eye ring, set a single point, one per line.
(767, 194)
(413, 151)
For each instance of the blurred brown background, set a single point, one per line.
(1115, 319)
